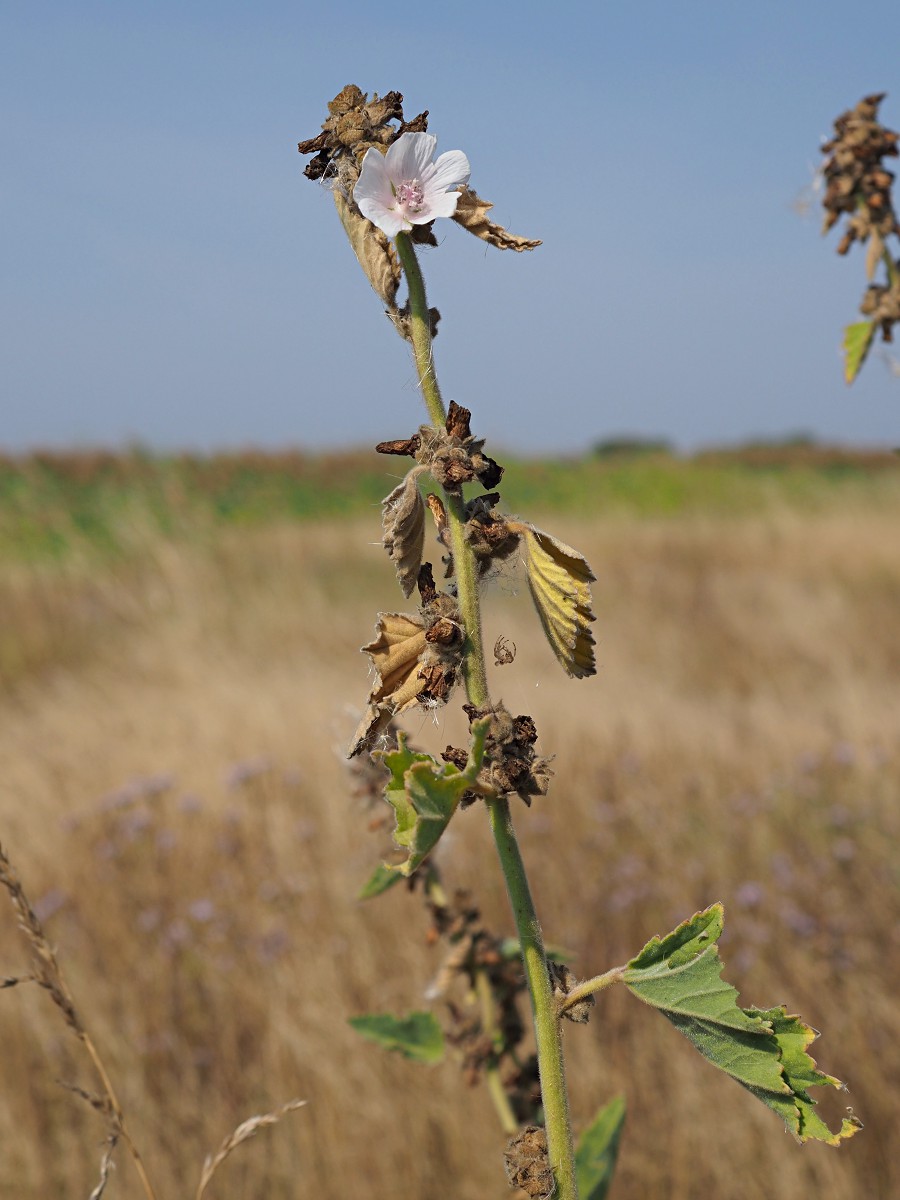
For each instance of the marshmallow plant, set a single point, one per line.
(389, 187)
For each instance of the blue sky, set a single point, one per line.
(168, 276)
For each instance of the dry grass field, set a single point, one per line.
(173, 795)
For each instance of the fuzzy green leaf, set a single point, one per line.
(856, 344)
(424, 794)
(598, 1149)
(418, 1036)
(765, 1050)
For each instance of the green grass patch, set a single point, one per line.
(102, 505)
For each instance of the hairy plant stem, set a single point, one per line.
(590, 987)
(548, 1035)
(547, 1025)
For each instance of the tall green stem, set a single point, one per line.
(546, 1020)
(420, 326)
(547, 1031)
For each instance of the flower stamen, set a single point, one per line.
(411, 195)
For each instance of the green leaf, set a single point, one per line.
(765, 1050)
(383, 877)
(857, 341)
(418, 1036)
(598, 1148)
(424, 794)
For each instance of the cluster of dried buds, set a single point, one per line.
(511, 766)
(487, 1035)
(858, 185)
(417, 656)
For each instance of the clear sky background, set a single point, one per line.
(169, 277)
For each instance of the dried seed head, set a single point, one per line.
(564, 981)
(882, 305)
(488, 532)
(528, 1163)
(510, 763)
(857, 182)
(454, 456)
(355, 123)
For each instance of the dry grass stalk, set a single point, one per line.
(246, 1130)
(48, 975)
(106, 1165)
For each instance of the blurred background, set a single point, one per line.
(189, 558)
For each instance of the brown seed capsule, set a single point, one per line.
(528, 1163)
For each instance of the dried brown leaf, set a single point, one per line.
(471, 213)
(248, 1129)
(374, 251)
(559, 580)
(403, 529)
(396, 653)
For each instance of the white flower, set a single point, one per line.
(404, 187)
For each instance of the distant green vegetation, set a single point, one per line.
(103, 504)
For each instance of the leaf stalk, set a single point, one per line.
(590, 987)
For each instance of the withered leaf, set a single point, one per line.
(873, 253)
(559, 579)
(375, 253)
(471, 213)
(403, 529)
(396, 652)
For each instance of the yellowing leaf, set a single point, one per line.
(857, 341)
(559, 579)
(471, 213)
(403, 529)
(396, 652)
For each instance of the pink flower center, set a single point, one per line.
(411, 195)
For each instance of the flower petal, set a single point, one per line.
(388, 220)
(410, 156)
(374, 183)
(449, 171)
(441, 205)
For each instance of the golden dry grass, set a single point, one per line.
(172, 795)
